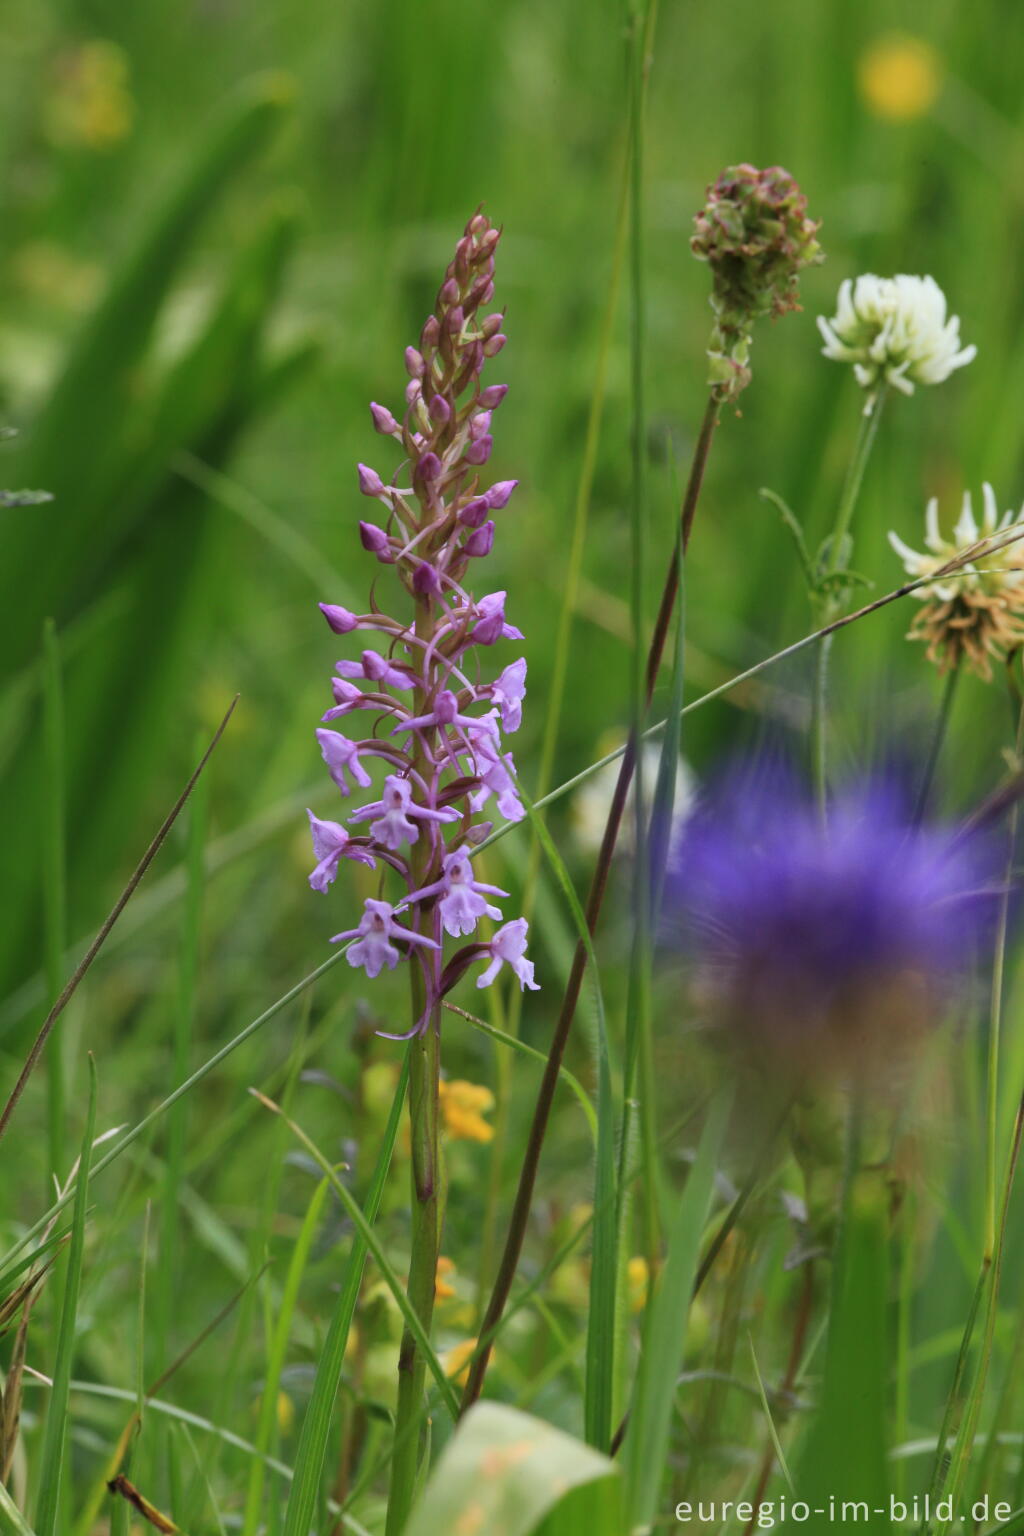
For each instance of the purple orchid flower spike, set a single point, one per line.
(342, 759)
(508, 947)
(462, 899)
(395, 812)
(331, 844)
(374, 946)
(442, 743)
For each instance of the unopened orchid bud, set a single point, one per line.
(490, 240)
(383, 420)
(491, 326)
(481, 542)
(494, 344)
(428, 468)
(474, 512)
(376, 542)
(492, 396)
(370, 483)
(425, 580)
(339, 619)
(480, 452)
(479, 426)
(499, 494)
(478, 225)
(449, 294)
(414, 363)
(481, 292)
(430, 335)
(413, 391)
(454, 320)
(440, 410)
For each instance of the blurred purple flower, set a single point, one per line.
(822, 947)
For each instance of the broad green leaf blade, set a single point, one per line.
(55, 1435)
(664, 1336)
(504, 1471)
(316, 1425)
(845, 1453)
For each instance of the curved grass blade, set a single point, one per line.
(362, 1226)
(278, 1349)
(316, 1425)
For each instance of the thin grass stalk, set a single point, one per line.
(72, 984)
(996, 1206)
(177, 1122)
(938, 741)
(54, 890)
(844, 516)
(55, 1434)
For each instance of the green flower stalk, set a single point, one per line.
(754, 233)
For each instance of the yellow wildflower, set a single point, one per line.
(638, 1280)
(442, 1290)
(91, 104)
(899, 77)
(455, 1361)
(463, 1106)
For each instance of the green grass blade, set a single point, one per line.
(11, 1518)
(362, 1226)
(522, 1049)
(54, 886)
(55, 1434)
(845, 1453)
(598, 1398)
(275, 1364)
(316, 1425)
(664, 1335)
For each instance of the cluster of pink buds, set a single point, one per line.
(444, 756)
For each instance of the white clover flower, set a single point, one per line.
(978, 614)
(894, 330)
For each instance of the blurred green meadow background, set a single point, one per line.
(221, 226)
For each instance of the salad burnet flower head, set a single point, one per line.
(429, 693)
(978, 613)
(894, 330)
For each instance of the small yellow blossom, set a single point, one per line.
(638, 1280)
(899, 77)
(91, 103)
(463, 1106)
(442, 1290)
(285, 1413)
(455, 1361)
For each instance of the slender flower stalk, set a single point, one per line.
(756, 238)
(437, 729)
(836, 559)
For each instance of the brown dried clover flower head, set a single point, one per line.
(976, 615)
(754, 233)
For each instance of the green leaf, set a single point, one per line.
(845, 1453)
(504, 1471)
